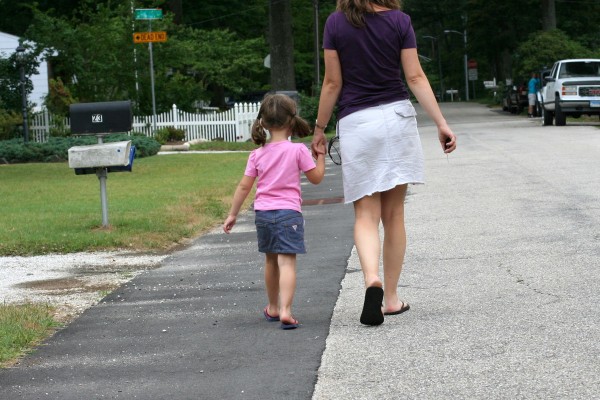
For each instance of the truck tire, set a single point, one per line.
(560, 119)
(546, 116)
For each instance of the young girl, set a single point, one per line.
(279, 221)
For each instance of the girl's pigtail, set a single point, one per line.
(259, 136)
(299, 126)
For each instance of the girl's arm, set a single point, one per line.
(241, 192)
(315, 175)
(420, 87)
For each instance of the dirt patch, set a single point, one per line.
(68, 285)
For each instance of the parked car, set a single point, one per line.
(571, 89)
(515, 98)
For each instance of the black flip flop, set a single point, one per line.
(405, 307)
(371, 313)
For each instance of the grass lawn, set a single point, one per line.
(46, 208)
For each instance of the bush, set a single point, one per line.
(169, 134)
(56, 148)
(10, 122)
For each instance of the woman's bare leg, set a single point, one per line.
(287, 286)
(272, 283)
(367, 213)
(394, 244)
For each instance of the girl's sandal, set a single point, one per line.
(289, 325)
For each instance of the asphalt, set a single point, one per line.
(501, 273)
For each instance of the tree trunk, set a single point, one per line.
(548, 15)
(176, 8)
(281, 45)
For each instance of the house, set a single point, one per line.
(8, 45)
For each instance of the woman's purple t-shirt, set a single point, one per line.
(370, 58)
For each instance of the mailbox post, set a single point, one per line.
(101, 119)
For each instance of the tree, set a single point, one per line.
(548, 15)
(10, 90)
(94, 55)
(281, 44)
(543, 48)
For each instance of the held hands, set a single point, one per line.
(319, 149)
(229, 223)
(318, 144)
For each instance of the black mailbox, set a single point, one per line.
(104, 117)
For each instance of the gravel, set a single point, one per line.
(70, 282)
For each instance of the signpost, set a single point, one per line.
(148, 13)
(149, 37)
(472, 65)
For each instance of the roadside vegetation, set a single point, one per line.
(21, 328)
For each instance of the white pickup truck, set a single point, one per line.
(571, 89)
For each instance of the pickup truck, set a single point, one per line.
(572, 88)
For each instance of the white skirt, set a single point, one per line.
(380, 149)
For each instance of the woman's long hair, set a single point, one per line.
(355, 10)
(278, 111)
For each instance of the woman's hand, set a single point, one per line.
(447, 139)
(319, 143)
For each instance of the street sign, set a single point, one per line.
(472, 74)
(148, 13)
(147, 37)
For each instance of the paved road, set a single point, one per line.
(501, 273)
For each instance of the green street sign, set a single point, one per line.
(148, 13)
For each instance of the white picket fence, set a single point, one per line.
(233, 125)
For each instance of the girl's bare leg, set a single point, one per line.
(367, 213)
(394, 244)
(272, 283)
(287, 286)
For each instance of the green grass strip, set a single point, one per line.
(22, 327)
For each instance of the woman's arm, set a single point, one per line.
(419, 85)
(332, 86)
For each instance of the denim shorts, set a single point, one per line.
(280, 232)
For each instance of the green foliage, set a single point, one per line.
(94, 46)
(543, 48)
(169, 134)
(9, 124)
(59, 98)
(219, 58)
(56, 148)
(10, 79)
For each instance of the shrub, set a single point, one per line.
(9, 124)
(169, 134)
(57, 148)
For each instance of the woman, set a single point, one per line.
(366, 43)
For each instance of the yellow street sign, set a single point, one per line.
(147, 37)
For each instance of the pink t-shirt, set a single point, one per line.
(278, 166)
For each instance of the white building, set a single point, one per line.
(8, 45)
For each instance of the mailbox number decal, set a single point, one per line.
(96, 118)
